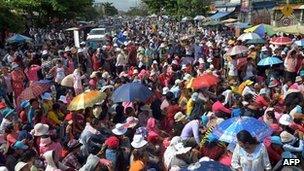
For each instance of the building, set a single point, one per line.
(279, 20)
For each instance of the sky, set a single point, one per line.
(121, 4)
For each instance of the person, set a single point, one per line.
(71, 159)
(249, 154)
(181, 158)
(139, 161)
(191, 133)
(292, 144)
(219, 109)
(53, 162)
(18, 79)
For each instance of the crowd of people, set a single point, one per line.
(172, 129)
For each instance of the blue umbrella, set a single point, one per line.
(256, 41)
(18, 38)
(227, 130)
(207, 165)
(300, 43)
(131, 92)
(269, 61)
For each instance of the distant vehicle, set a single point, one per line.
(97, 33)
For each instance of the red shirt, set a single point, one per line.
(261, 102)
(219, 107)
(95, 62)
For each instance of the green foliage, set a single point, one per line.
(107, 9)
(141, 10)
(178, 8)
(9, 19)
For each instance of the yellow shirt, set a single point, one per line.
(189, 107)
(52, 116)
(47, 106)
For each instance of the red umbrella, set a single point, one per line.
(33, 91)
(206, 80)
(281, 40)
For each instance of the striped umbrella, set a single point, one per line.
(281, 40)
(227, 130)
(33, 91)
(86, 99)
(236, 50)
(249, 36)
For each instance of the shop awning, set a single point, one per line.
(219, 15)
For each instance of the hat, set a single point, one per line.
(145, 108)
(46, 96)
(67, 49)
(8, 112)
(184, 67)
(3, 168)
(19, 145)
(131, 122)
(276, 128)
(138, 141)
(45, 141)
(187, 77)
(165, 90)
(22, 135)
(20, 165)
(181, 149)
(112, 142)
(135, 71)
(264, 49)
(94, 74)
(194, 96)
(154, 62)
(276, 140)
(248, 82)
(283, 53)
(209, 60)
(82, 43)
(201, 60)
(152, 73)
(104, 88)
(298, 79)
(174, 62)
(63, 99)
(263, 91)
(179, 116)
(105, 75)
(41, 129)
(286, 137)
(153, 137)
(251, 46)
(162, 45)
(25, 103)
(2, 105)
(285, 120)
(119, 129)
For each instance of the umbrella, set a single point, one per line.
(299, 42)
(33, 91)
(228, 129)
(206, 80)
(186, 19)
(256, 41)
(294, 29)
(18, 38)
(199, 17)
(236, 50)
(281, 40)
(86, 99)
(206, 166)
(262, 30)
(131, 92)
(269, 61)
(249, 36)
(68, 81)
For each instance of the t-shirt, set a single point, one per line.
(137, 166)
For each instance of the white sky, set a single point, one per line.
(122, 4)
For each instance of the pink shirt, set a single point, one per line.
(261, 101)
(219, 107)
(31, 73)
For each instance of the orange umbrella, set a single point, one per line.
(206, 80)
(86, 99)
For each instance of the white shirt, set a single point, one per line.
(247, 90)
(258, 160)
(121, 60)
(232, 68)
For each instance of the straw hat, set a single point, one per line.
(138, 141)
(179, 116)
(20, 165)
(286, 137)
(119, 129)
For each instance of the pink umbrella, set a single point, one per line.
(236, 50)
(281, 40)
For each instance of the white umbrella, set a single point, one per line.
(186, 19)
(199, 17)
(249, 36)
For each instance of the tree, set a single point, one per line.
(109, 9)
(141, 10)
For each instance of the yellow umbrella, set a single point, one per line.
(294, 29)
(86, 99)
(68, 81)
